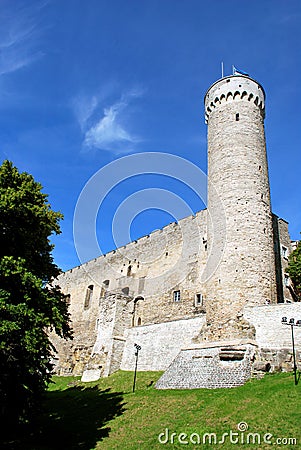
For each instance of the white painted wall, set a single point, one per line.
(160, 343)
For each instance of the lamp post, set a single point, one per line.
(293, 324)
(137, 347)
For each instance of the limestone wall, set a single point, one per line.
(152, 267)
(270, 333)
(148, 271)
(159, 343)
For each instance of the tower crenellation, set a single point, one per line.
(234, 88)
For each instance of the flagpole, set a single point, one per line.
(222, 69)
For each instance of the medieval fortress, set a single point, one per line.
(203, 296)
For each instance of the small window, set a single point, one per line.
(237, 117)
(198, 299)
(284, 251)
(68, 299)
(139, 321)
(176, 296)
(286, 280)
(104, 288)
(88, 298)
(125, 290)
(129, 271)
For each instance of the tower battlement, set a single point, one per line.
(234, 88)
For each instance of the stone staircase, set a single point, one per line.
(210, 365)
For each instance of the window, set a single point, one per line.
(139, 321)
(286, 280)
(129, 271)
(198, 299)
(88, 298)
(68, 299)
(104, 288)
(237, 117)
(176, 296)
(125, 290)
(284, 251)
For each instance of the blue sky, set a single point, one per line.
(85, 82)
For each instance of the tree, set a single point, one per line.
(30, 305)
(294, 270)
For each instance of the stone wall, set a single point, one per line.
(100, 331)
(159, 343)
(147, 271)
(270, 333)
(273, 338)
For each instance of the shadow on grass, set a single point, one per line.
(74, 418)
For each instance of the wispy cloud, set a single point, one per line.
(107, 128)
(83, 108)
(109, 133)
(18, 36)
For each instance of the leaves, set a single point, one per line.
(294, 269)
(29, 304)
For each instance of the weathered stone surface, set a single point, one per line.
(91, 375)
(239, 185)
(261, 366)
(159, 343)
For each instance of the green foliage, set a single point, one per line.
(29, 304)
(294, 269)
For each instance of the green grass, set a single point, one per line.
(107, 415)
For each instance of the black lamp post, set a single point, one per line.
(292, 324)
(137, 347)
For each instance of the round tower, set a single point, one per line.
(239, 209)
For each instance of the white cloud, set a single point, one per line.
(108, 131)
(111, 131)
(84, 108)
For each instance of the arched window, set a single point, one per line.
(89, 294)
(104, 288)
(139, 321)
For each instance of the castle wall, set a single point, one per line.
(160, 343)
(227, 364)
(148, 271)
(270, 333)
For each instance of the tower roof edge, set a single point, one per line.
(234, 77)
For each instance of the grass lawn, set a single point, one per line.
(107, 415)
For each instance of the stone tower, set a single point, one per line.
(240, 239)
